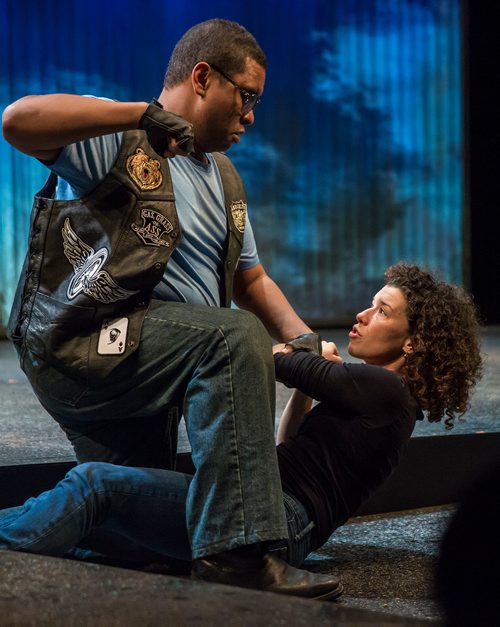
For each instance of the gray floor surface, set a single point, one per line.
(38, 591)
(386, 561)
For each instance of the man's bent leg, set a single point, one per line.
(235, 498)
(219, 361)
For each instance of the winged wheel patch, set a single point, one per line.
(88, 274)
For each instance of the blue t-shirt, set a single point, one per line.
(195, 267)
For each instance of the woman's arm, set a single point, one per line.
(299, 403)
(293, 415)
(347, 387)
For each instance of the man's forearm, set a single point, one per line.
(265, 299)
(40, 125)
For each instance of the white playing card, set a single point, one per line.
(113, 337)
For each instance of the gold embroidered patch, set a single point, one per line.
(239, 213)
(144, 171)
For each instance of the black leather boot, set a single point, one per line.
(267, 573)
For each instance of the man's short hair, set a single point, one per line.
(221, 42)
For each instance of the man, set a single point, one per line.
(112, 336)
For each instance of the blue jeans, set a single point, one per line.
(217, 365)
(142, 509)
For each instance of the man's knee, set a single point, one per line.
(245, 326)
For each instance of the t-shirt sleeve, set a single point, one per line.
(85, 164)
(249, 256)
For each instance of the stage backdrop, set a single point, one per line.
(354, 161)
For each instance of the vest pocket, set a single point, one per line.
(57, 339)
(50, 383)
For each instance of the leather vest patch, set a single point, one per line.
(154, 227)
(143, 170)
(88, 275)
(239, 213)
(113, 336)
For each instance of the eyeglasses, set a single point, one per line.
(249, 99)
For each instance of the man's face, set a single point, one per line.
(221, 121)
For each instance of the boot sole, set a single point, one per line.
(332, 595)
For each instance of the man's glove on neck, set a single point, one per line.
(161, 125)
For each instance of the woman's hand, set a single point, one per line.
(330, 351)
(282, 348)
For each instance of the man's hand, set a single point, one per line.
(309, 342)
(168, 133)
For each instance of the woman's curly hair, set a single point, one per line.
(444, 325)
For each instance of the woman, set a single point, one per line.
(420, 343)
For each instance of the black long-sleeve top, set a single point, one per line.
(350, 442)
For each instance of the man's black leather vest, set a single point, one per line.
(92, 264)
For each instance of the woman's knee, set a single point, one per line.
(93, 474)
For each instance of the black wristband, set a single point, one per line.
(309, 342)
(160, 125)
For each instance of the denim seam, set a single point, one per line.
(307, 529)
(184, 324)
(242, 501)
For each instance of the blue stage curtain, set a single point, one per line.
(355, 159)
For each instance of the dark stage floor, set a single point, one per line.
(386, 560)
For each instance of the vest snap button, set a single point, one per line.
(157, 266)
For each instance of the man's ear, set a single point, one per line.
(200, 77)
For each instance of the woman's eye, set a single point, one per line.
(381, 311)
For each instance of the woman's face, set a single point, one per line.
(381, 333)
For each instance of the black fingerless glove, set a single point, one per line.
(309, 342)
(160, 125)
